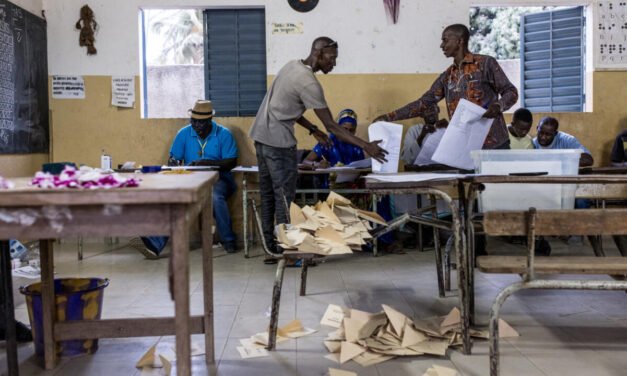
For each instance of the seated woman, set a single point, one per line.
(339, 152)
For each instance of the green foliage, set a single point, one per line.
(495, 31)
(181, 33)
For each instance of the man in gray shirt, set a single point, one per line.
(294, 90)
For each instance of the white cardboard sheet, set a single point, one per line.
(466, 132)
(390, 135)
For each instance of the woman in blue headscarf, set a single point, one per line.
(338, 152)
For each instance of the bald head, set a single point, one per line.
(460, 31)
(322, 42)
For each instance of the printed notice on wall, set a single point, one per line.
(287, 28)
(611, 35)
(68, 87)
(123, 91)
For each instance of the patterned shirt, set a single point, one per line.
(478, 79)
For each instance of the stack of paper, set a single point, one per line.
(331, 227)
(371, 338)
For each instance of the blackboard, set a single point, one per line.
(23, 82)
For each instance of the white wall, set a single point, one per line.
(368, 42)
(33, 6)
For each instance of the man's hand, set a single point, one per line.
(201, 162)
(324, 164)
(383, 117)
(322, 138)
(375, 151)
(442, 123)
(493, 111)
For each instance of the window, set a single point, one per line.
(235, 55)
(552, 60)
(541, 50)
(189, 54)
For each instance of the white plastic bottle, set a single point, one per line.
(105, 161)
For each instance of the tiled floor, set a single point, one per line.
(562, 332)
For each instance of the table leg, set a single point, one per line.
(48, 301)
(180, 287)
(438, 248)
(245, 214)
(375, 250)
(6, 283)
(207, 277)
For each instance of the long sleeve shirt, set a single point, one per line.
(478, 79)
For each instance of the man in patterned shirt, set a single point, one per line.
(476, 78)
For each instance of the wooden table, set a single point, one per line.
(161, 205)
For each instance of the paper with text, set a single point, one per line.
(429, 145)
(390, 135)
(466, 132)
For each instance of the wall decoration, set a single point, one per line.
(610, 30)
(392, 8)
(302, 5)
(88, 26)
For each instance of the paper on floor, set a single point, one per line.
(436, 370)
(333, 316)
(252, 352)
(339, 372)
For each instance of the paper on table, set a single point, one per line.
(362, 163)
(466, 132)
(412, 177)
(390, 135)
(246, 169)
(429, 145)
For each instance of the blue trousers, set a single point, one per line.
(222, 190)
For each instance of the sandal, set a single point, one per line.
(270, 260)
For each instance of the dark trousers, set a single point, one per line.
(278, 171)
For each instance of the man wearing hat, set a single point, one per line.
(204, 142)
(294, 90)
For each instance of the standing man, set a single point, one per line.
(476, 78)
(294, 90)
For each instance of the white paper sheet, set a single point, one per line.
(390, 135)
(412, 177)
(429, 145)
(123, 91)
(246, 169)
(466, 132)
(362, 163)
(68, 87)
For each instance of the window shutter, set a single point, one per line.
(235, 60)
(552, 60)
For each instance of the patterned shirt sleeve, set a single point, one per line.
(503, 86)
(419, 106)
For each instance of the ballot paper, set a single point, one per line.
(466, 132)
(413, 177)
(251, 352)
(429, 145)
(390, 135)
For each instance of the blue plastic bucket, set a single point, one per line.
(75, 299)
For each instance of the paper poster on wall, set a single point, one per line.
(123, 91)
(287, 28)
(610, 47)
(68, 87)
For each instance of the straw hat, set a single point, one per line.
(202, 110)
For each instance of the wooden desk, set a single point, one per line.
(161, 205)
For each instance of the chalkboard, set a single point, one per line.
(23, 82)
(610, 30)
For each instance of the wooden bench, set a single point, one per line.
(534, 223)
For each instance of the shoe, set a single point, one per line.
(22, 333)
(542, 247)
(269, 260)
(229, 247)
(138, 244)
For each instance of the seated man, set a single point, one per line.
(550, 138)
(204, 142)
(417, 134)
(519, 130)
(618, 156)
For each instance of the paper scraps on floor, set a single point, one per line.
(254, 347)
(372, 338)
